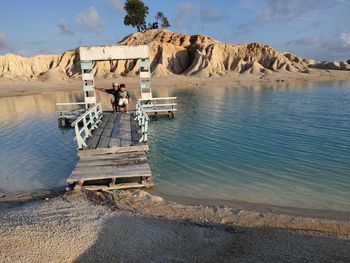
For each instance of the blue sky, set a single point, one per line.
(317, 29)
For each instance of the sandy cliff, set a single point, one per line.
(171, 53)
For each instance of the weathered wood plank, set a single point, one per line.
(92, 142)
(114, 187)
(115, 136)
(112, 162)
(135, 135)
(115, 156)
(102, 125)
(87, 177)
(126, 131)
(104, 142)
(112, 159)
(101, 151)
(85, 170)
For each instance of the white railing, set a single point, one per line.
(166, 104)
(85, 123)
(142, 118)
(65, 108)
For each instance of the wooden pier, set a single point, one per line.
(112, 146)
(113, 156)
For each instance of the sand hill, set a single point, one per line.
(171, 53)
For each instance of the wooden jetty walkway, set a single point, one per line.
(113, 156)
(112, 147)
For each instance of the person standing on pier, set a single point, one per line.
(114, 91)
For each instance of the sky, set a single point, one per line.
(318, 29)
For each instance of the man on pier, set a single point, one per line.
(114, 91)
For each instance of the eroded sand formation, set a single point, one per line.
(171, 53)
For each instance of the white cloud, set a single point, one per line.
(118, 5)
(345, 38)
(184, 13)
(288, 8)
(305, 41)
(4, 44)
(64, 28)
(211, 14)
(90, 19)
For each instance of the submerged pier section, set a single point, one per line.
(113, 156)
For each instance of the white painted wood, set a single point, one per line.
(90, 100)
(113, 52)
(87, 76)
(146, 96)
(145, 75)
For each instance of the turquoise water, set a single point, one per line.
(286, 145)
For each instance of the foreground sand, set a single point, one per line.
(134, 226)
(16, 87)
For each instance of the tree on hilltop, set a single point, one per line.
(136, 12)
(162, 20)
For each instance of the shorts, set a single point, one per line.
(123, 102)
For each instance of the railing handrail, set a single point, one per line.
(161, 98)
(95, 114)
(85, 114)
(144, 113)
(70, 103)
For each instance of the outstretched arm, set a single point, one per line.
(101, 89)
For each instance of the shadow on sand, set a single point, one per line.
(143, 239)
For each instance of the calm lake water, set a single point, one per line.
(287, 145)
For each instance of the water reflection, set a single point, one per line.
(285, 144)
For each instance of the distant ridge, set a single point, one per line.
(171, 53)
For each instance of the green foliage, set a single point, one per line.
(162, 20)
(136, 13)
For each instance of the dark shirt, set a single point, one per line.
(115, 93)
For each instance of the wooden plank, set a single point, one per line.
(126, 131)
(116, 133)
(103, 163)
(116, 156)
(116, 186)
(110, 123)
(77, 177)
(101, 151)
(86, 171)
(93, 141)
(102, 125)
(104, 142)
(135, 136)
(131, 158)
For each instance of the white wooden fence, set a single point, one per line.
(86, 123)
(142, 118)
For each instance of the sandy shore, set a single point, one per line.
(137, 227)
(133, 226)
(16, 87)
